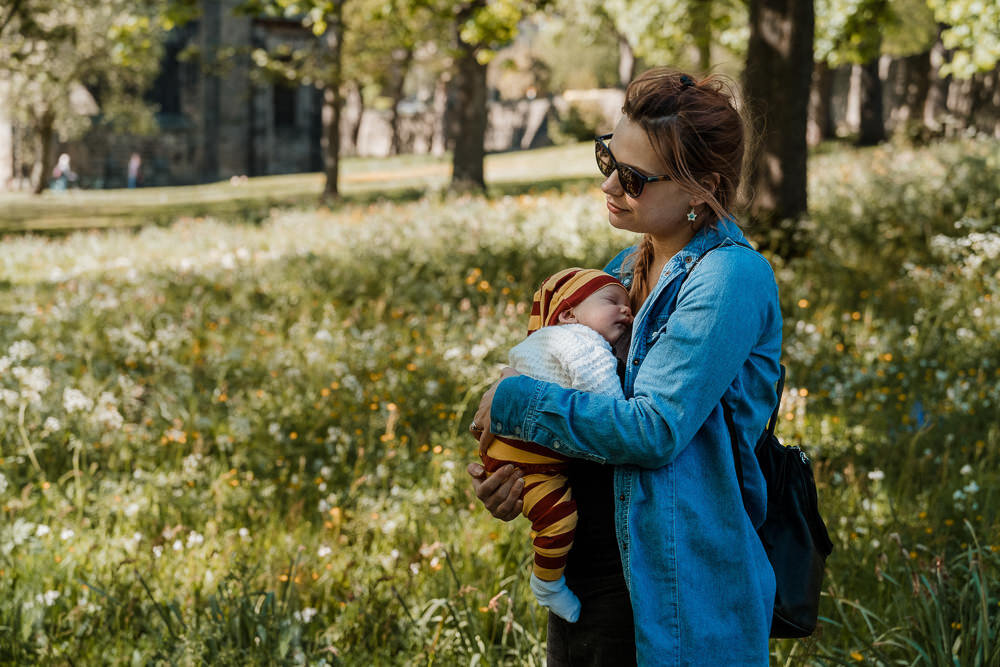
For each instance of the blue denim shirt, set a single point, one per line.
(701, 586)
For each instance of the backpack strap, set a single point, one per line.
(727, 413)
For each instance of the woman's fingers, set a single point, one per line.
(500, 492)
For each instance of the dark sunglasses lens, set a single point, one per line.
(631, 181)
(604, 160)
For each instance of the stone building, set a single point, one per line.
(213, 122)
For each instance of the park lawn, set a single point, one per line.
(244, 442)
(404, 177)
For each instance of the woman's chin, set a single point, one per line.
(619, 222)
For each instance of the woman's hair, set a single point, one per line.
(696, 130)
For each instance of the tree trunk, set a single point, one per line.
(937, 86)
(351, 117)
(701, 29)
(401, 66)
(42, 170)
(776, 80)
(468, 119)
(820, 125)
(626, 61)
(909, 89)
(333, 103)
(872, 128)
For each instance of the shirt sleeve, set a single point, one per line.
(724, 309)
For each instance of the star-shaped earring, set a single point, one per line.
(692, 216)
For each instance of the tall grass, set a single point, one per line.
(245, 443)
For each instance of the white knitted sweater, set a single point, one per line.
(572, 355)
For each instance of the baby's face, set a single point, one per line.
(606, 311)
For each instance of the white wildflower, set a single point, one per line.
(195, 539)
(75, 400)
(971, 487)
(157, 551)
(66, 534)
(47, 598)
(42, 530)
(876, 475)
(33, 382)
(305, 615)
(191, 463)
(323, 336)
(10, 398)
(51, 424)
(243, 533)
(3, 483)
(178, 545)
(966, 469)
(21, 350)
(324, 551)
(107, 413)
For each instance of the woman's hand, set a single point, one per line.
(500, 492)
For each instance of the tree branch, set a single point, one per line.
(15, 9)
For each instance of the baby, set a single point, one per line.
(576, 316)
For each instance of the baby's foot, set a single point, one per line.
(557, 597)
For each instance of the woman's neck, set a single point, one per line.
(663, 249)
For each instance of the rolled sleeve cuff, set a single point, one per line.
(511, 415)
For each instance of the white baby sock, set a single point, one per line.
(557, 597)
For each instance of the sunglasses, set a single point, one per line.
(632, 181)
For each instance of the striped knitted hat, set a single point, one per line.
(563, 291)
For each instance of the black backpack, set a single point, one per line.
(793, 533)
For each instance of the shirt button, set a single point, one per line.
(624, 546)
(622, 497)
(517, 430)
(688, 259)
(498, 426)
(635, 362)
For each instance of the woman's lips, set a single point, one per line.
(615, 209)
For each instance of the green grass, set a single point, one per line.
(363, 180)
(243, 442)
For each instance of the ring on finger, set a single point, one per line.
(475, 428)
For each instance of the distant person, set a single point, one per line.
(134, 170)
(576, 316)
(666, 559)
(63, 176)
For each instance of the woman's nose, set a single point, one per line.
(611, 185)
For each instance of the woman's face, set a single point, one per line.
(661, 208)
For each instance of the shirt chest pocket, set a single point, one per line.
(657, 330)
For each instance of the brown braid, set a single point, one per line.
(641, 260)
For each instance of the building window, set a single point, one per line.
(286, 100)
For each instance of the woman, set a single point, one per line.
(707, 329)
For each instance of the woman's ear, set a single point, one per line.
(567, 317)
(710, 183)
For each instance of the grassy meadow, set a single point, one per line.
(228, 442)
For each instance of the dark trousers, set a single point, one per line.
(604, 633)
